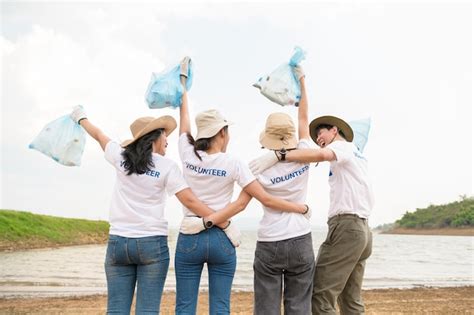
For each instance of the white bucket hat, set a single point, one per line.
(209, 123)
(279, 132)
(143, 125)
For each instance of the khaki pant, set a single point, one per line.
(340, 266)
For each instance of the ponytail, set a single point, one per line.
(202, 144)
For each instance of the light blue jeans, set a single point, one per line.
(142, 261)
(192, 251)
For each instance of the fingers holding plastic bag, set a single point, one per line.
(78, 113)
(298, 72)
(234, 235)
(184, 66)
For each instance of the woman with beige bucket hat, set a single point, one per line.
(284, 258)
(137, 250)
(211, 172)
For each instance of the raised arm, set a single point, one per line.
(303, 121)
(79, 116)
(184, 120)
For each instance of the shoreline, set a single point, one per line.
(437, 231)
(14, 246)
(444, 300)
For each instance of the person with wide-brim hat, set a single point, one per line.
(284, 256)
(137, 250)
(341, 260)
(211, 173)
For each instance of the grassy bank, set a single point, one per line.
(25, 230)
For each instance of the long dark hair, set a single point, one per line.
(137, 155)
(202, 144)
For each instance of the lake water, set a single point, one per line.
(397, 261)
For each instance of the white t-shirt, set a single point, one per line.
(289, 181)
(138, 201)
(349, 181)
(212, 179)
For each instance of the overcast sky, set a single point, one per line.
(407, 66)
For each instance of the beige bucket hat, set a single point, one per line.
(209, 123)
(332, 121)
(144, 125)
(279, 132)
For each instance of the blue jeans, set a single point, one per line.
(143, 261)
(192, 251)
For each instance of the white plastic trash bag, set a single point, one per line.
(165, 89)
(281, 86)
(62, 140)
(361, 130)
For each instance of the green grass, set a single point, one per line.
(26, 227)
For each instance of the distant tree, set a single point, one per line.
(455, 214)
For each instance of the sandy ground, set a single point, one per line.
(459, 300)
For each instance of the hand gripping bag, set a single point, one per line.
(281, 86)
(62, 140)
(165, 89)
(361, 130)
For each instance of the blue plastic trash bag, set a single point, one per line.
(361, 130)
(165, 88)
(281, 86)
(62, 140)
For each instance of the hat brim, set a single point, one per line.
(211, 131)
(272, 143)
(168, 123)
(332, 121)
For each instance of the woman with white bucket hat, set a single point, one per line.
(137, 250)
(284, 258)
(211, 173)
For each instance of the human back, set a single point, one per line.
(288, 181)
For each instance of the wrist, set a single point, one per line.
(207, 223)
(306, 209)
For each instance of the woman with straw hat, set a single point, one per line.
(211, 172)
(284, 258)
(137, 250)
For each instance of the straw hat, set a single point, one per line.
(279, 132)
(144, 125)
(209, 123)
(332, 121)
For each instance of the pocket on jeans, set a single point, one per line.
(225, 243)
(153, 250)
(304, 249)
(110, 254)
(266, 251)
(187, 243)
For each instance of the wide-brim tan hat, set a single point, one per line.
(279, 132)
(209, 123)
(144, 125)
(332, 121)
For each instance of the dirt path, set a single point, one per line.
(388, 301)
